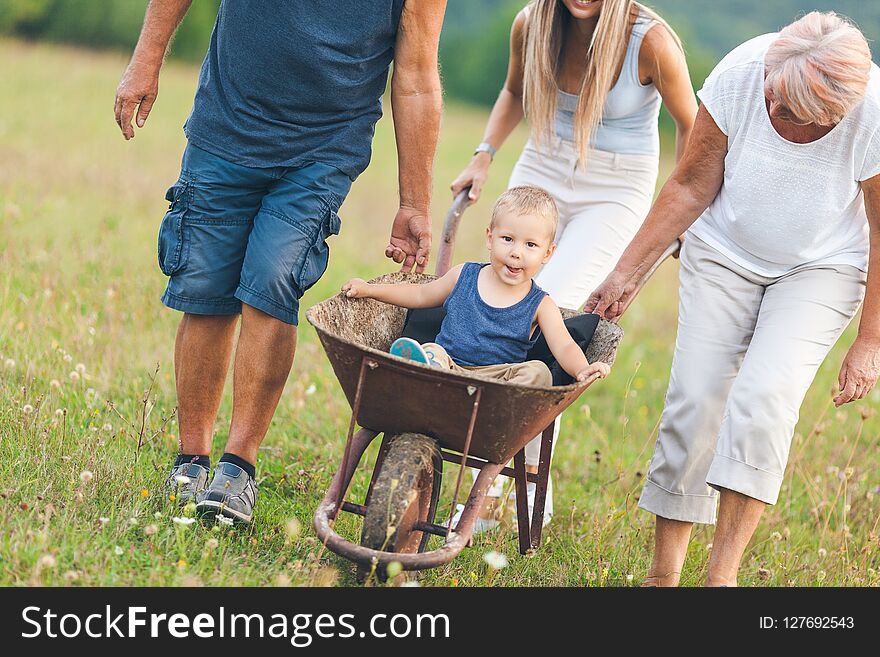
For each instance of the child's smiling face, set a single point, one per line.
(519, 245)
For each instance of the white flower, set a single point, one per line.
(54, 383)
(776, 536)
(74, 376)
(182, 480)
(68, 358)
(92, 330)
(311, 389)
(132, 521)
(629, 578)
(27, 409)
(118, 550)
(212, 543)
(223, 520)
(47, 561)
(158, 514)
(183, 521)
(107, 427)
(10, 364)
(104, 520)
(59, 412)
(411, 583)
(80, 368)
(86, 476)
(496, 560)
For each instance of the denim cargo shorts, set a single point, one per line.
(236, 234)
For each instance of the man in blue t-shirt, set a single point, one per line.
(282, 124)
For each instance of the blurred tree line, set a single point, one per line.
(475, 43)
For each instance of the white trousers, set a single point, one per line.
(747, 350)
(601, 206)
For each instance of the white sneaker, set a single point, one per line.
(531, 490)
(481, 526)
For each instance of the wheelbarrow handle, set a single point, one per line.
(450, 228)
(671, 250)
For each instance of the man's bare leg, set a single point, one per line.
(201, 360)
(671, 538)
(263, 360)
(738, 517)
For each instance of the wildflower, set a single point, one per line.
(80, 368)
(9, 363)
(496, 560)
(86, 476)
(820, 575)
(848, 472)
(104, 520)
(118, 550)
(158, 514)
(149, 530)
(212, 543)
(763, 574)
(171, 498)
(223, 520)
(182, 480)
(411, 583)
(293, 528)
(46, 561)
(92, 330)
(181, 564)
(145, 494)
(311, 389)
(178, 520)
(71, 575)
(27, 409)
(59, 412)
(189, 509)
(629, 579)
(55, 383)
(132, 521)
(107, 427)
(68, 358)
(776, 536)
(282, 580)
(74, 376)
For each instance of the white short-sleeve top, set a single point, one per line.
(783, 205)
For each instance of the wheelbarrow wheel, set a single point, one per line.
(405, 491)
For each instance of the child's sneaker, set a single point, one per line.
(409, 349)
(481, 526)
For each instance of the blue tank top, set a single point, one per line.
(629, 118)
(288, 83)
(475, 333)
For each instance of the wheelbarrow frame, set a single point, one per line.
(374, 365)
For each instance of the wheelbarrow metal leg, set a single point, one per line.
(522, 501)
(477, 394)
(346, 456)
(541, 484)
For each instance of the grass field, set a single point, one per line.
(82, 332)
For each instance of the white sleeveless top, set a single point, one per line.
(629, 117)
(783, 204)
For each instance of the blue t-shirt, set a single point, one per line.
(288, 83)
(475, 333)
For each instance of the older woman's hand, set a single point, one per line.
(859, 371)
(609, 299)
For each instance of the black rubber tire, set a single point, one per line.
(406, 489)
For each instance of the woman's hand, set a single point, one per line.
(859, 371)
(474, 176)
(356, 288)
(609, 299)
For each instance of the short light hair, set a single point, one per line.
(818, 67)
(527, 200)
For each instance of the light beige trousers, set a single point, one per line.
(747, 350)
(530, 373)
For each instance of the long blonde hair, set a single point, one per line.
(544, 34)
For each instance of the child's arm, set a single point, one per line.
(406, 295)
(564, 349)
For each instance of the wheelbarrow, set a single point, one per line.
(427, 417)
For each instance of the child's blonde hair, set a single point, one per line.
(527, 200)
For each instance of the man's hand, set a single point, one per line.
(607, 300)
(597, 368)
(356, 288)
(410, 242)
(137, 90)
(859, 371)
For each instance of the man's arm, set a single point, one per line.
(416, 101)
(140, 82)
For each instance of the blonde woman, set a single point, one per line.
(590, 77)
(780, 190)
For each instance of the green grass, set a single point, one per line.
(79, 293)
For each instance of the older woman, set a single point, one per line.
(780, 186)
